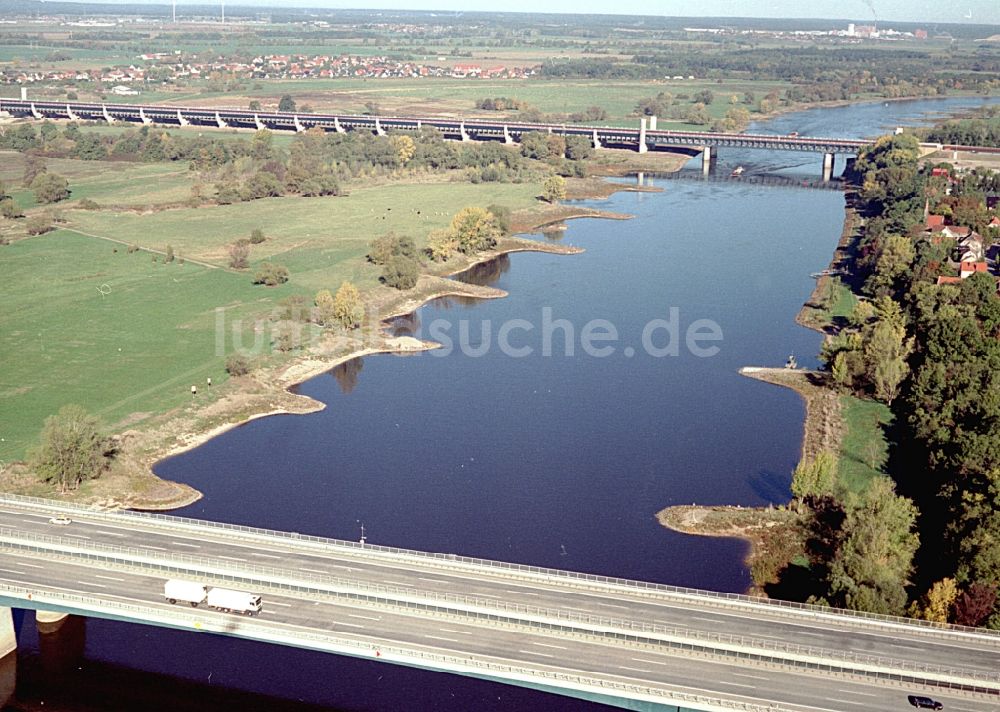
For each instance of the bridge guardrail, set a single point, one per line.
(385, 651)
(548, 573)
(478, 607)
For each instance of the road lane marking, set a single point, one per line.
(230, 558)
(266, 556)
(397, 583)
(612, 605)
(181, 543)
(432, 580)
(12, 571)
(336, 566)
(438, 637)
(624, 667)
(77, 536)
(854, 692)
(155, 548)
(368, 618)
(846, 702)
(811, 635)
(755, 677)
(352, 625)
(91, 583)
(523, 593)
(108, 578)
(534, 652)
(102, 531)
(735, 684)
(549, 645)
(651, 662)
(706, 620)
(33, 566)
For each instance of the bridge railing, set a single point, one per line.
(389, 653)
(481, 608)
(550, 574)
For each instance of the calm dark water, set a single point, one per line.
(552, 459)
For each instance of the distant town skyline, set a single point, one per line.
(928, 11)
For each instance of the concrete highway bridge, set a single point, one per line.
(643, 138)
(630, 644)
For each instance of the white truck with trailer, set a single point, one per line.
(224, 599)
(176, 590)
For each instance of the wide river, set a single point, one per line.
(543, 451)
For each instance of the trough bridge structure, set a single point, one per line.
(630, 644)
(643, 138)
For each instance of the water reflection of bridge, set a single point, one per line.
(771, 180)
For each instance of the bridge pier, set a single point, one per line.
(8, 639)
(111, 119)
(827, 166)
(707, 160)
(596, 140)
(218, 120)
(143, 118)
(463, 133)
(379, 131)
(49, 621)
(652, 123)
(643, 148)
(299, 128)
(35, 112)
(258, 123)
(506, 136)
(336, 125)
(71, 114)
(181, 120)
(24, 93)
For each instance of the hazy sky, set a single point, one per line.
(981, 11)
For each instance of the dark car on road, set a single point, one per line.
(924, 703)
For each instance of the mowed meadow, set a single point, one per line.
(125, 334)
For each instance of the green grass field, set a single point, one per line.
(322, 241)
(85, 322)
(864, 449)
(112, 183)
(111, 331)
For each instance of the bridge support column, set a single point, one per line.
(506, 135)
(652, 123)
(111, 119)
(707, 159)
(597, 140)
(640, 179)
(218, 120)
(379, 131)
(299, 128)
(336, 125)
(35, 112)
(24, 93)
(827, 166)
(8, 639)
(49, 621)
(71, 114)
(181, 120)
(258, 123)
(643, 148)
(143, 118)
(463, 133)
